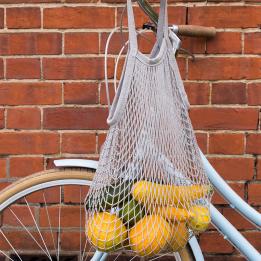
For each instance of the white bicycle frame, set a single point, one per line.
(218, 220)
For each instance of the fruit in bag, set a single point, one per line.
(147, 192)
(150, 235)
(200, 219)
(179, 236)
(131, 212)
(106, 231)
(173, 213)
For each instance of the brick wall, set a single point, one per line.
(52, 98)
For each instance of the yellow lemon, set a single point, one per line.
(179, 236)
(106, 231)
(200, 218)
(150, 235)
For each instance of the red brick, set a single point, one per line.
(254, 237)
(3, 166)
(70, 241)
(30, 43)
(198, 93)
(182, 67)
(79, 143)
(24, 166)
(194, 45)
(229, 93)
(103, 95)
(226, 143)
(22, 212)
(224, 118)
(23, 17)
(176, 15)
(24, 118)
(28, 1)
(254, 93)
(225, 42)
(254, 194)
(30, 93)
(81, 43)
(1, 69)
(101, 140)
(234, 168)
(231, 257)
(81, 93)
(1, 17)
(202, 140)
(75, 118)
(75, 68)
(213, 242)
(253, 143)
(225, 16)
(236, 219)
(75, 194)
(237, 187)
(70, 216)
(224, 68)
(23, 68)
(253, 43)
(259, 168)
(78, 17)
(28, 143)
(2, 118)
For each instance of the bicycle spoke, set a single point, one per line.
(30, 234)
(80, 223)
(37, 227)
(59, 224)
(3, 253)
(50, 225)
(1, 231)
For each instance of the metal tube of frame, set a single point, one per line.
(232, 235)
(230, 195)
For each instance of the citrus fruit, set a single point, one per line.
(131, 212)
(200, 218)
(150, 235)
(106, 231)
(179, 236)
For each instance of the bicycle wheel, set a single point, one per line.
(42, 217)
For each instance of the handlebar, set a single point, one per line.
(195, 30)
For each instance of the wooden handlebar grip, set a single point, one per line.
(196, 31)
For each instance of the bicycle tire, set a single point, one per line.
(55, 177)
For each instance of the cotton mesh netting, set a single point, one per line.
(150, 193)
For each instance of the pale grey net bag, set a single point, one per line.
(150, 193)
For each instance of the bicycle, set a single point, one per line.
(47, 238)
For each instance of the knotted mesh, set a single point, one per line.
(150, 192)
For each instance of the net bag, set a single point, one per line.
(150, 193)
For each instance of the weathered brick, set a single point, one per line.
(81, 93)
(229, 93)
(254, 194)
(2, 118)
(30, 43)
(224, 68)
(253, 43)
(254, 93)
(80, 43)
(198, 93)
(202, 140)
(78, 143)
(28, 143)
(24, 166)
(30, 93)
(23, 68)
(78, 17)
(3, 165)
(23, 118)
(234, 168)
(75, 68)
(225, 42)
(23, 17)
(253, 143)
(254, 237)
(226, 143)
(225, 16)
(224, 118)
(75, 118)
